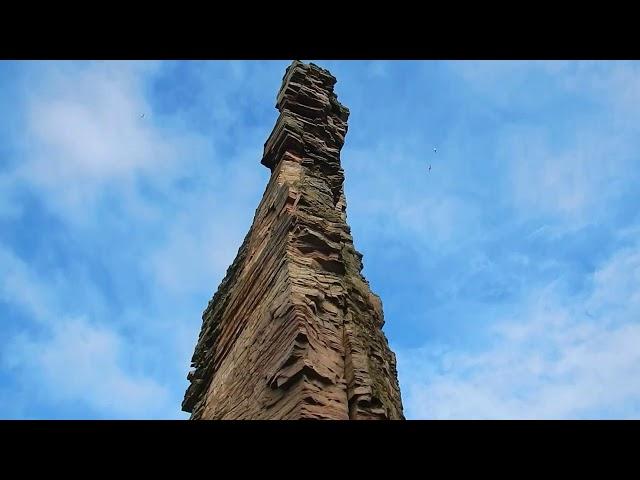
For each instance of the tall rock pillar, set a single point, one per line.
(294, 332)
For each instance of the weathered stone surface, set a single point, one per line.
(294, 332)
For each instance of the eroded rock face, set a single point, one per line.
(294, 332)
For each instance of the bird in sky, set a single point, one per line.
(142, 116)
(434, 151)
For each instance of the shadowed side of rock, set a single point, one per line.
(294, 330)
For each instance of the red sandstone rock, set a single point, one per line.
(294, 331)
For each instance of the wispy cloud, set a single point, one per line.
(72, 360)
(143, 215)
(82, 363)
(507, 273)
(90, 130)
(551, 357)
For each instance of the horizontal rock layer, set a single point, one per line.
(294, 332)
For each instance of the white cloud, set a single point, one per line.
(210, 223)
(544, 180)
(19, 286)
(612, 83)
(84, 362)
(88, 150)
(404, 196)
(568, 170)
(616, 293)
(195, 256)
(551, 358)
(85, 132)
(73, 359)
(88, 121)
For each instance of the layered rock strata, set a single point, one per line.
(294, 332)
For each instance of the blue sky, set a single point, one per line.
(509, 274)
